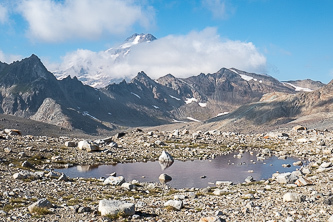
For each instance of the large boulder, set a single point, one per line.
(115, 207)
(88, 146)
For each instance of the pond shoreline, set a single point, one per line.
(75, 199)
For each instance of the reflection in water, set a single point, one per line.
(197, 173)
(85, 168)
(164, 165)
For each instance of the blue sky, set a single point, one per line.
(288, 39)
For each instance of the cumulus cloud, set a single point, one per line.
(219, 8)
(54, 21)
(9, 58)
(3, 14)
(182, 56)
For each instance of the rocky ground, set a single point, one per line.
(304, 195)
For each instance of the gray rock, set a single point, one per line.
(114, 207)
(329, 201)
(27, 164)
(128, 186)
(330, 219)
(164, 178)
(165, 157)
(83, 209)
(223, 183)
(284, 178)
(210, 219)
(325, 165)
(249, 179)
(7, 150)
(88, 146)
(19, 176)
(298, 163)
(177, 204)
(63, 177)
(70, 144)
(306, 171)
(301, 181)
(113, 144)
(117, 181)
(42, 203)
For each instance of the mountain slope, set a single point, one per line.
(279, 108)
(209, 95)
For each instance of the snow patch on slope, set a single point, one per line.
(300, 89)
(174, 97)
(136, 95)
(203, 104)
(190, 100)
(192, 119)
(222, 114)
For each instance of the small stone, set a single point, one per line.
(293, 197)
(330, 219)
(301, 181)
(298, 163)
(117, 181)
(249, 179)
(329, 201)
(27, 164)
(210, 219)
(223, 183)
(128, 186)
(63, 177)
(325, 165)
(7, 150)
(19, 176)
(83, 209)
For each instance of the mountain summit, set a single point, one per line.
(97, 69)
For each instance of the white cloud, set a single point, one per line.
(182, 56)
(9, 58)
(3, 14)
(54, 21)
(219, 8)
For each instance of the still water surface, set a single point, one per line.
(188, 174)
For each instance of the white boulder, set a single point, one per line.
(114, 207)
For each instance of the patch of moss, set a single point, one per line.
(41, 211)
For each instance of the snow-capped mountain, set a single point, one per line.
(97, 68)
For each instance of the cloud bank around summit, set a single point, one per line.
(182, 55)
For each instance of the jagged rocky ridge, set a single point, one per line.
(29, 90)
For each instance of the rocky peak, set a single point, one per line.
(138, 38)
(143, 79)
(25, 71)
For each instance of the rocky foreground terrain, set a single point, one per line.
(31, 191)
